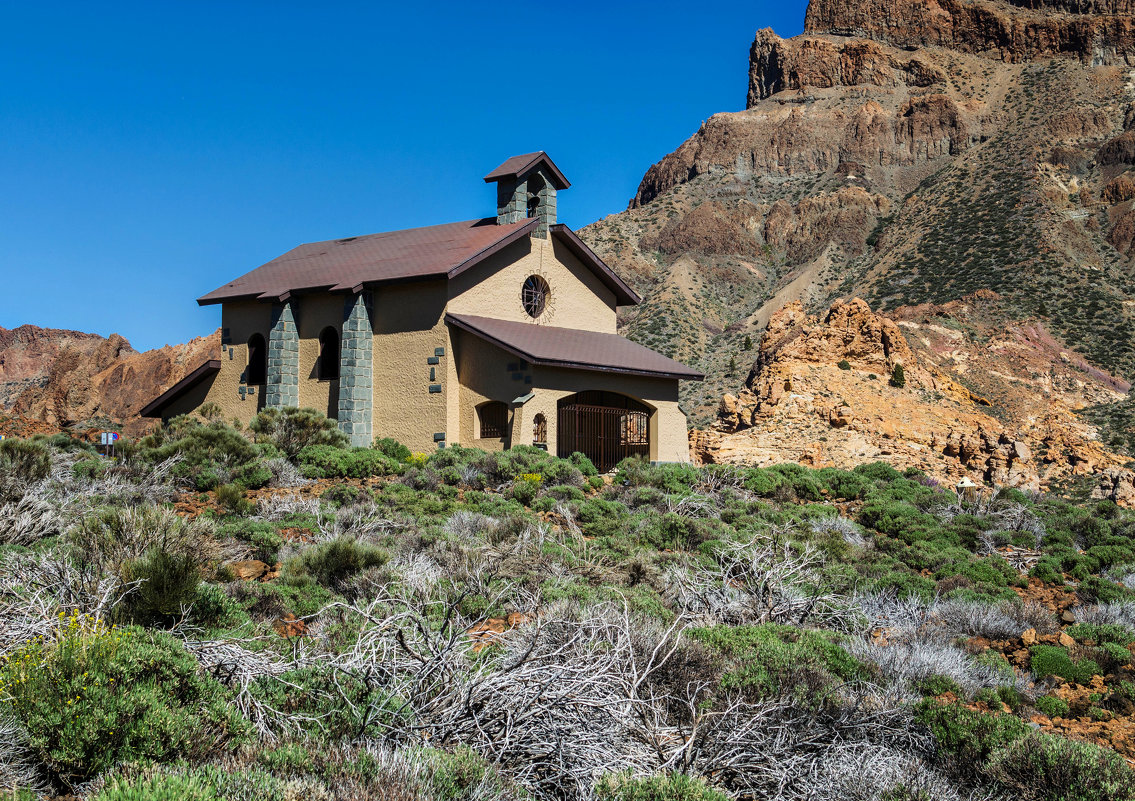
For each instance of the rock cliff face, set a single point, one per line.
(1096, 32)
(822, 392)
(909, 152)
(52, 379)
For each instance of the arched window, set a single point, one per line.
(257, 372)
(328, 354)
(493, 420)
(540, 428)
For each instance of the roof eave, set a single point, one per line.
(564, 364)
(624, 295)
(559, 180)
(211, 367)
(495, 247)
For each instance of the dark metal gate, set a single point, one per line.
(604, 434)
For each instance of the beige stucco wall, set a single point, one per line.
(484, 375)
(240, 320)
(492, 289)
(313, 314)
(408, 328)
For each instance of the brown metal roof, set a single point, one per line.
(518, 165)
(154, 407)
(437, 251)
(571, 348)
(624, 295)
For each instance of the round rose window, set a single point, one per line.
(534, 295)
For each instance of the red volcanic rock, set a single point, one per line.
(68, 379)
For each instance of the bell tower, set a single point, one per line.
(526, 188)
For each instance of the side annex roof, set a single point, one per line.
(572, 348)
(154, 408)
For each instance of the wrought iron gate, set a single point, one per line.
(605, 434)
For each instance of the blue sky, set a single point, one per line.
(152, 151)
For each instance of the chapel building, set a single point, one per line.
(486, 333)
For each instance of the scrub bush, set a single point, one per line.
(168, 585)
(97, 696)
(291, 430)
(1102, 633)
(330, 564)
(26, 460)
(671, 787)
(772, 660)
(157, 788)
(329, 461)
(1041, 767)
(1052, 706)
(392, 448)
(1051, 660)
(969, 737)
(231, 499)
(263, 536)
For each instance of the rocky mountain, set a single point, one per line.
(852, 386)
(52, 379)
(909, 153)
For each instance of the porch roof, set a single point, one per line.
(572, 348)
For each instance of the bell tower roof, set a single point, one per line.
(519, 166)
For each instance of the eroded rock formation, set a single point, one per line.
(822, 392)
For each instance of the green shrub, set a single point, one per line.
(564, 492)
(583, 464)
(898, 376)
(27, 460)
(878, 471)
(392, 448)
(670, 787)
(523, 490)
(204, 449)
(843, 364)
(137, 694)
(287, 759)
(327, 704)
(939, 685)
(1102, 633)
(843, 483)
(636, 471)
(332, 563)
(967, 735)
(1052, 706)
(291, 430)
(168, 584)
(231, 498)
(90, 468)
(1043, 767)
(1052, 660)
(157, 788)
(763, 482)
(328, 461)
(772, 660)
(346, 495)
(263, 536)
(1101, 591)
(252, 476)
(677, 532)
(1048, 570)
(212, 606)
